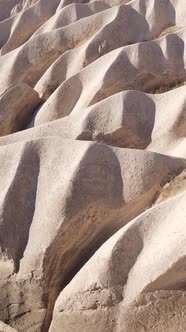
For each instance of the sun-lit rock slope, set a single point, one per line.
(93, 166)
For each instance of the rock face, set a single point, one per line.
(134, 280)
(6, 328)
(92, 166)
(16, 106)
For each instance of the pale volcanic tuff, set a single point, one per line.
(92, 166)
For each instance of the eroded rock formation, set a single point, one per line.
(92, 166)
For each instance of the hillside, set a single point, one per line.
(93, 166)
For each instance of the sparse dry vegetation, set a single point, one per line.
(168, 87)
(50, 88)
(168, 30)
(173, 184)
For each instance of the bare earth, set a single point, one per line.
(92, 166)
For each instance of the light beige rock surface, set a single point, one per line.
(92, 165)
(6, 328)
(74, 208)
(17, 105)
(130, 119)
(141, 66)
(135, 281)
